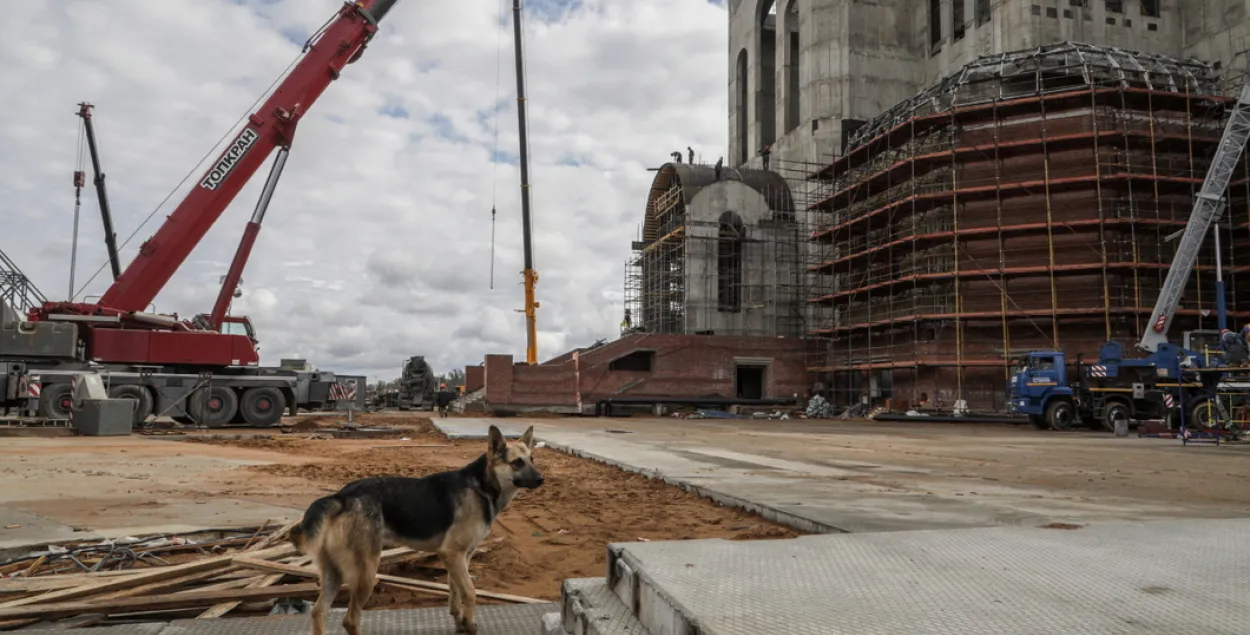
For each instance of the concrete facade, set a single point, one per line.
(718, 255)
(842, 62)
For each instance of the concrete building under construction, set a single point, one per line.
(720, 254)
(1023, 203)
(975, 183)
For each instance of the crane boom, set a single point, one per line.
(340, 43)
(1207, 207)
(101, 193)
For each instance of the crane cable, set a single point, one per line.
(494, 155)
(80, 178)
(195, 169)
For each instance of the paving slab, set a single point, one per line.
(478, 428)
(1165, 577)
(824, 495)
(19, 529)
(517, 619)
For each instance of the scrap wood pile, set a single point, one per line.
(161, 579)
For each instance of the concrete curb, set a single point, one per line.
(783, 517)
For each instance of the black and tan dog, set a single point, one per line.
(448, 513)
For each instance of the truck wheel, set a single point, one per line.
(141, 397)
(1114, 412)
(1060, 415)
(214, 407)
(1203, 416)
(56, 401)
(262, 406)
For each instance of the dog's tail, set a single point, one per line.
(321, 509)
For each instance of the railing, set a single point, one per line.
(16, 290)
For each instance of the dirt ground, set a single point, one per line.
(546, 535)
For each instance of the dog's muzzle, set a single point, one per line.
(528, 483)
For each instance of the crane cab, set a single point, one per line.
(238, 325)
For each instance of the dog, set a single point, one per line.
(448, 513)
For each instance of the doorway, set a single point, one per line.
(749, 381)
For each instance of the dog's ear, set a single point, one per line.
(528, 437)
(497, 445)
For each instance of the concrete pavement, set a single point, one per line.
(818, 491)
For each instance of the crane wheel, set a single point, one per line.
(1061, 415)
(55, 401)
(262, 406)
(1112, 413)
(1203, 416)
(141, 397)
(213, 407)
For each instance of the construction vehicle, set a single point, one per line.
(418, 387)
(1175, 383)
(206, 369)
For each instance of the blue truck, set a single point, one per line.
(1057, 395)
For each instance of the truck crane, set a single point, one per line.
(159, 360)
(1155, 386)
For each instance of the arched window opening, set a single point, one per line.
(766, 96)
(730, 238)
(793, 63)
(741, 114)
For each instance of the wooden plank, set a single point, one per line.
(410, 583)
(154, 575)
(186, 599)
(219, 610)
(166, 586)
(276, 536)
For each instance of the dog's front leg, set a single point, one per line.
(453, 598)
(453, 588)
(457, 564)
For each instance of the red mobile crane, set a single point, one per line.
(149, 355)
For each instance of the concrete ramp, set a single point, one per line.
(1161, 577)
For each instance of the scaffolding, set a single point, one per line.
(1023, 203)
(725, 272)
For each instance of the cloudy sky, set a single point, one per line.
(377, 245)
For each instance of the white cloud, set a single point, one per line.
(377, 244)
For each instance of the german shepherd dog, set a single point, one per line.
(448, 513)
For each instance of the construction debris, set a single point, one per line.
(204, 575)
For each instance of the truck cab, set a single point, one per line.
(238, 325)
(1040, 389)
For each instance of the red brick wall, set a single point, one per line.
(474, 378)
(498, 371)
(683, 366)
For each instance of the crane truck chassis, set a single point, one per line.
(39, 361)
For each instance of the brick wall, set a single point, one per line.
(683, 366)
(474, 378)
